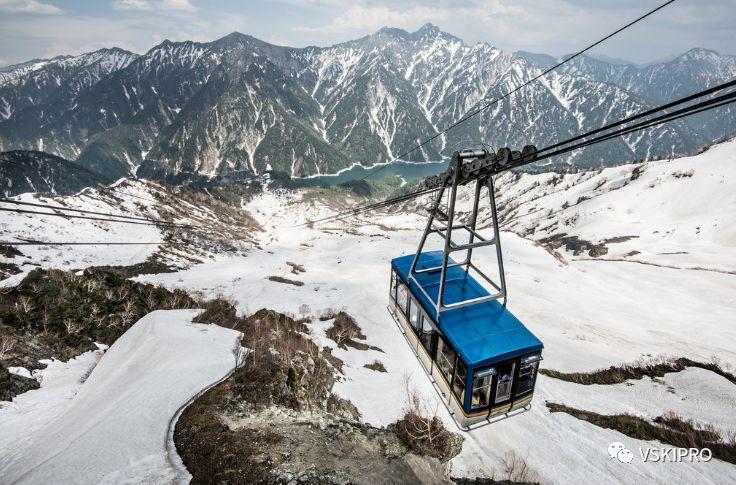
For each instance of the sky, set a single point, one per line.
(45, 28)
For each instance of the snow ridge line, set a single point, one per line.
(172, 457)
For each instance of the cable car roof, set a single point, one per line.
(483, 333)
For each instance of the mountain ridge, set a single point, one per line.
(240, 103)
(33, 171)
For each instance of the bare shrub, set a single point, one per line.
(220, 311)
(284, 366)
(344, 330)
(376, 365)
(652, 368)
(516, 469)
(422, 431)
(669, 428)
(296, 268)
(72, 326)
(327, 314)
(6, 346)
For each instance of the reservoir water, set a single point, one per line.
(408, 171)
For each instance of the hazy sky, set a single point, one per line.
(45, 28)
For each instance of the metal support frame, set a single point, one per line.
(457, 175)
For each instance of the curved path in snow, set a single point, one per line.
(116, 429)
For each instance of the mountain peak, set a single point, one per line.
(426, 31)
(234, 35)
(700, 53)
(428, 28)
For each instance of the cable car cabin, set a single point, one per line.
(482, 359)
(477, 354)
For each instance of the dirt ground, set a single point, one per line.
(275, 421)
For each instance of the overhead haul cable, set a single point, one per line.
(72, 216)
(50, 243)
(84, 211)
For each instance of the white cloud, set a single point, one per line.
(368, 18)
(178, 5)
(132, 5)
(71, 34)
(362, 19)
(28, 6)
(184, 5)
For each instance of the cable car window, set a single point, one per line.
(445, 359)
(426, 335)
(482, 381)
(401, 297)
(527, 374)
(505, 380)
(458, 383)
(414, 315)
(393, 285)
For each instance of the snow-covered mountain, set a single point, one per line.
(28, 171)
(240, 103)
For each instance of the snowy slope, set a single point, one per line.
(116, 428)
(34, 227)
(678, 212)
(589, 314)
(33, 411)
(216, 228)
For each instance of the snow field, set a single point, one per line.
(589, 314)
(115, 429)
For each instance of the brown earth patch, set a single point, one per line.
(281, 279)
(622, 373)
(376, 365)
(669, 428)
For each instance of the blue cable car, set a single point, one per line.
(480, 357)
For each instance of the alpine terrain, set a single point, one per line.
(249, 347)
(204, 277)
(241, 104)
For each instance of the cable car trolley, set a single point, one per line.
(480, 357)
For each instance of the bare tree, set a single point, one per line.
(6, 346)
(92, 285)
(421, 422)
(45, 320)
(72, 327)
(25, 304)
(517, 470)
(176, 300)
(123, 292)
(128, 312)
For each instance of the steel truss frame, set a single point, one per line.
(459, 174)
